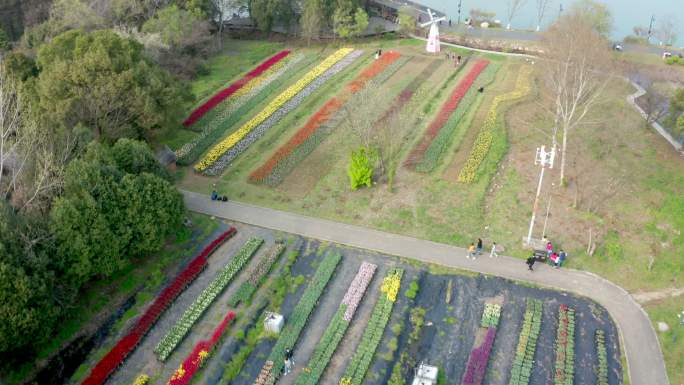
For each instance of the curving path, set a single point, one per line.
(644, 357)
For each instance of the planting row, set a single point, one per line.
(565, 347)
(527, 344)
(298, 319)
(193, 313)
(484, 139)
(319, 125)
(199, 354)
(602, 371)
(476, 368)
(363, 356)
(256, 275)
(445, 112)
(455, 128)
(115, 357)
(338, 326)
(226, 115)
(276, 104)
(226, 93)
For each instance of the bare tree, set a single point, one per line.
(542, 5)
(654, 103)
(513, 8)
(666, 31)
(310, 22)
(576, 64)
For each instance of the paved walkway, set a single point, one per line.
(644, 357)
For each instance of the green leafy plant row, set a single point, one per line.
(490, 315)
(450, 132)
(256, 275)
(193, 313)
(363, 356)
(527, 344)
(297, 320)
(602, 370)
(565, 347)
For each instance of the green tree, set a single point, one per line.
(347, 22)
(19, 66)
(407, 20)
(106, 83)
(311, 20)
(177, 27)
(4, 41)
(268, 12)
(135, 157)
(595, 13)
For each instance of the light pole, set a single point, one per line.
(650, 28)
(543, 158)
(459, 13)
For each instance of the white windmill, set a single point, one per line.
(433, 36)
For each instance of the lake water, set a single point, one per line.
(626, 13)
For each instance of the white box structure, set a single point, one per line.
(426, 375)
(274, 322)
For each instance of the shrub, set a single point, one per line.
(360, 169)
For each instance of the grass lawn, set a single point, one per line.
(98, 301)
(672, 341)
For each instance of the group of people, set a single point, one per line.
(378, 53)
(554, 258)
(454, 57)
(474, 251)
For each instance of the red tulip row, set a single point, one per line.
(110, 362)
(196, 358)
(445, 112)
(226, 92)
(322, 115)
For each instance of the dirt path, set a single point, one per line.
(650, 296)
(505, 82)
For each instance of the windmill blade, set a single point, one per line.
(423, 25)
(438, 20)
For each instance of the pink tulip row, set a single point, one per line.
(357, 288)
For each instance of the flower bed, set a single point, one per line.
(199, 354)
(193, 313)
(565, 347)
(338, 326)
(142, 379)
(363, 356)
(228, 143)
(476, 368)
(115, 357)
(602, 370)
(444, 113)
(285, 159)
(454, 128)
(256, 275)
(527, 344)
(484, 139)
(214, 125)
(227, 92)
(300, 315)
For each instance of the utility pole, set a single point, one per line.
(459, 13)
(650, 28)
(560, 12)
(543, 158)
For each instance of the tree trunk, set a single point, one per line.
(563, 154)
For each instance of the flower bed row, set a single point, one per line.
(527, 344)
(199, 354)
(193, 313)
(602, 354)
(484, 139)
(222, 147)
(227, 92)
(444, 113)
(338, 326)
(455, 127)
(565, 347)
(476, 368)
(256, 275)
(142, 379)
(363, 356)
(285, 159)
(274, 118)
(300, 315)
(115, 357)
(225, 116)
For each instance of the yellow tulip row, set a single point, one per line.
(226, 144)
(484, 139)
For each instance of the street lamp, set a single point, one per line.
(544, 159)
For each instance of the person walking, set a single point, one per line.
(561, 258)
(471, 251)
(530, 262)
(493, 252)
(479, 246)
(289, 362)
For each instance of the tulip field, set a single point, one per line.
(351, 317)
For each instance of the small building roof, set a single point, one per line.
(396, 4)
